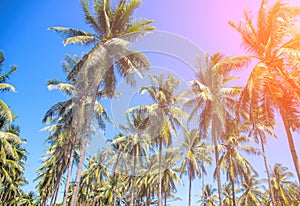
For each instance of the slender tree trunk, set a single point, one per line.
(148, 201)
(190, 190)
(56, 193)
(88, 117)
(68, 177)
(56, 190)
(218, 175)
(202, 184)
(160, 175)
(291, 145)
(232, 190)
(165, 198)
(132, 181)
(267, 168)
(117, 177)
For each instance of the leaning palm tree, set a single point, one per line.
(62, 139)
(212, 100)
(164, 116)
(274, 44)
(114, 30)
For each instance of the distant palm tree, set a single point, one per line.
(274, 43)
(252, 191)
(135, 143)
(212, 100)
(210, 198)
(190, 161)
(164, 116)
(282, 185)
(232, 160)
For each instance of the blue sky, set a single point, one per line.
(38, 53)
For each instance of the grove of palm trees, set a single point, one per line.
(197, 140)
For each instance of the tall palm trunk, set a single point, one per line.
(218, 174)
(291, 145)
(148, 200)
(160, 175)
(190, 190)
(68, 177)
(117, 177)
(56, 190)
(267, 168)
(88, 116)
(232, 190)
(132, 181)
(202, 166)
(89, 79)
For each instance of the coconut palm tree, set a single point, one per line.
(12, 163)
(164, 116)
(232, 161)
(282, 185)
(190, 162)
(210, 198)
(272, 42)
(114, 30)
(135, 143)
(62, 139)
(212, 100)
(12, 153)
(4, 86)
(252, 191)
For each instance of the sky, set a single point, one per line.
(38, 54)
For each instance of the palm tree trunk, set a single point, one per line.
(232, 190)
(190, 190)
(148, 201)
(117, 177)
(291, 145)
(68, 177)
(132, 181)
(56, 190)
(267, 168)
(218, 175)
(202, 184)
(160, 175)
(88, 117)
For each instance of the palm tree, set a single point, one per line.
(272, 43)
(204, 151)
(163, 116)
(232, 161)
(251, 191)
(12, 163)
(136, 142)
(213, 100)
(4, 86)
(210, 198)
(114, 30)
(282, 185)
(191, 158)
(62, 139)
(12, 153)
